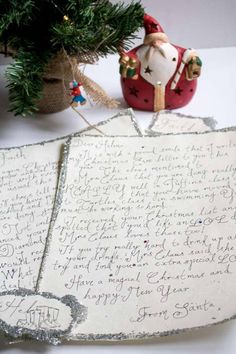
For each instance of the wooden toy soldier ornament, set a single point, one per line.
(158, 75)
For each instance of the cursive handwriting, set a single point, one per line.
(146, 230)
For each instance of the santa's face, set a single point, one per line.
(158, 62)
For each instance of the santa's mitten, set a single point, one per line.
(193, 68)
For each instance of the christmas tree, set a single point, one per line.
(36, 31)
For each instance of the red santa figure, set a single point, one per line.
(158, 75)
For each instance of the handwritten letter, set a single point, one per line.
(145, 235)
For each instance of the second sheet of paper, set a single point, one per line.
(145, 233)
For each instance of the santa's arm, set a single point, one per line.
(192, 63)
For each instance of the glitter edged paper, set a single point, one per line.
(42, 316)
(168, 122)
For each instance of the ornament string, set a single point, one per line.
(86, 121)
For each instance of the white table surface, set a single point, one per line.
(216, 97)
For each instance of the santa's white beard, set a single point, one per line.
(158, 65)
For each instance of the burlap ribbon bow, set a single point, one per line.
(60, 71)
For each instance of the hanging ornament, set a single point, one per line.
(76, 94)
(158, 75)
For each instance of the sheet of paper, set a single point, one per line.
(168, 122)
(144, 233)
(28, 180)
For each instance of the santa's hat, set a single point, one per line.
(153, 30)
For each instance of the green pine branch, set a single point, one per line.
(33, 27)
(100, 28)
(15, 13)
(25, 82)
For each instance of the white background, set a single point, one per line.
(195, 23)
(198, 24)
